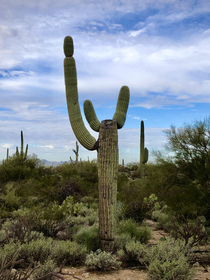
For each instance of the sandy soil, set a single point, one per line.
(201, 273)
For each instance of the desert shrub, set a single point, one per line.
(121, 240)
(102, 261)
(168, 261)
(138, 210)
(44, 269)
(142, 234)
(37, 250)
(163, 219)
(18, 167)
(84, 173)
(193, 232)
(8, 251)
(9, 200)
(88, 236)
(69, 187)
(133, 253)
(20, 230)
(69, 253)
(92, 217)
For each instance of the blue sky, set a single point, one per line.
(159, 49)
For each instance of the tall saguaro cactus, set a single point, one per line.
(106, 145)
(144, 153)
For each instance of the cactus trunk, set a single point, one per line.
(107, 187)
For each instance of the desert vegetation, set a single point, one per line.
(49, 215)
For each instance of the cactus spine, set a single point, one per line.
(76, 152)
(106, 145)
(144, 153)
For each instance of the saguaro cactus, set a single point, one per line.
(21, 153)
(106, 145)
(144, 153)
(76, 152)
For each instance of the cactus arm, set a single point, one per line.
(91, 115)
(122, 106)
(79, 129)
(146, 155)
(26, 152)
(17, 152)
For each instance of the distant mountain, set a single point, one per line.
(52, 163)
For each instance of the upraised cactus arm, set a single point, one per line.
(80, 131)
(122, 106)
(91, 115)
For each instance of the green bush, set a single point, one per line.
(102, 261)
(88, 236)
(44, 269)
(168, 261)
(142, 234)
(8, 251)
(37, 250)
(68, 252)
(163, 219)
(121, 240)
(133, 253)
(19, 168)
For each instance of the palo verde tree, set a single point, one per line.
(106, 145)
(190, 146)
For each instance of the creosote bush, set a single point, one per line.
(102, 261)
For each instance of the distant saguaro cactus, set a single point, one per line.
(144, 153)
(22, 154)
(76, 152)
(106, 145)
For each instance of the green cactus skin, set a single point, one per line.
(106, 145)
(122, 106)
(107, 163)
(68, 46)
(144, 153)
(91, 115)
(77, 124)
(7, 154)
(76, 152)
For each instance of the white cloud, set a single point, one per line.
(159, 69)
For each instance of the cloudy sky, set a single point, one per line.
(158, 48)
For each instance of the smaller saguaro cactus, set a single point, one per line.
(22, 154)
(76, 152)
(144, 153)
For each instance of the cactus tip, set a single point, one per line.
(68, 46)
